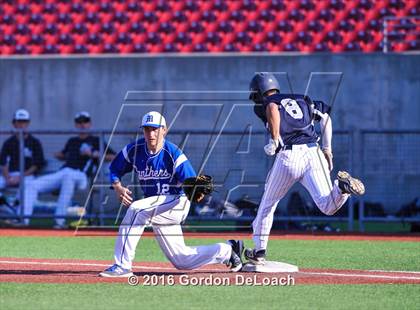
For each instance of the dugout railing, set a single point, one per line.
(353, 150)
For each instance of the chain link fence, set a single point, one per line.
(385, 160)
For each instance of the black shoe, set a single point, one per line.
(255, 257)
(349, 185)
(235, 261)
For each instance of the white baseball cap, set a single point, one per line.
(153, 119)
(82, 117)
(21, 115)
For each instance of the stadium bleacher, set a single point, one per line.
(117, 26)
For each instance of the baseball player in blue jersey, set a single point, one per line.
(161, 168)
(290, 119)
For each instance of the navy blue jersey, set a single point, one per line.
(158, 174)
(297, 116)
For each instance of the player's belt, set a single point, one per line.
(290, 146)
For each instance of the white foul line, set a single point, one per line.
(218, 270)
(359, 275)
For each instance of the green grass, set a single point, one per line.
(121, 296)
(376, 227)
(304, 253)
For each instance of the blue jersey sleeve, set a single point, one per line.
(120, 165)
(321, 107)
(183, 168)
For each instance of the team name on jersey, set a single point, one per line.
(149, 174)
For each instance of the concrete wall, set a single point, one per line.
(376, 91)
(367, 91)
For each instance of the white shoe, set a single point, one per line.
(116, 271)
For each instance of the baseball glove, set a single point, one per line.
(197, 187)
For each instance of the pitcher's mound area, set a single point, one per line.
(84, 271)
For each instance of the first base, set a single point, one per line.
(270, 266)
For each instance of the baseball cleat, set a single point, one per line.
(350, 185)
(235, 261)
(116, 271)
(255, 257)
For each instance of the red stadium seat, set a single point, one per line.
(9, 29)
(369, 47)
(93, 27)
(125, 48)
(22, 39)
(20, 19)
(7, 49)
(138, 38)
(164, 16)
(80, 38)
(193, 16)
(259, 38)
(399, 47)
(105, 17)
(177, 6)
(65, 49)
(227, 38)
(271, 47)
(181, 26)
(120, 5)
(226, 25)
(50, 18)
(109, 38)
(122, 27)
(63, 7)
(157, 48)
(233, 5)
(36, 49)
(168, 37)
(134, 17)
(8, 9)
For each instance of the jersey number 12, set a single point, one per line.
(164, 189)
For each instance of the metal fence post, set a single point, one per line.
(361, 137)
(101, 178)
(385, 31)
(21, 174)
(352, 146)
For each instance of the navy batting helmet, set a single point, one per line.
(261, 83)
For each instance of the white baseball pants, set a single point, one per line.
(65, 179)
(164, 214)
(303, 164)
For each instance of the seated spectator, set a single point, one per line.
(81, 157)
(10, 153)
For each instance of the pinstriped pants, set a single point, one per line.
(303, 164)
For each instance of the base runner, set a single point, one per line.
(290, 119)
